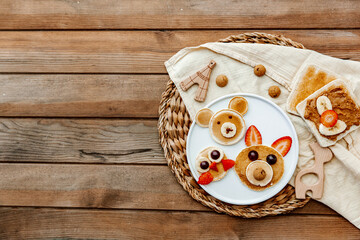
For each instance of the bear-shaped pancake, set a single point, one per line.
(259, 166)
(226, 126)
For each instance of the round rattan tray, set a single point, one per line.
(174, 123)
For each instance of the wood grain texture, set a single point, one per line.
(55, 173)
(90, 141)
(24, 223)
(81, 95)
(92, 186)
(177, 14)
(80, 141)
(101, 186)
(136, 51)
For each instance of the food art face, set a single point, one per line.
(333, 112)
(226, 126)
(259, 166)
(256, 172)
(212, 164)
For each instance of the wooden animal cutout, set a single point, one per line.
(201, 78)
(322, 155)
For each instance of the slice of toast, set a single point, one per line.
(325, 141)
(309, 79)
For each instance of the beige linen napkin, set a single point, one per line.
(236, 61)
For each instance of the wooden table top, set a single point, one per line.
(80, 86)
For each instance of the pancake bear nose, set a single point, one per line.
(228, 129)
(259, 173)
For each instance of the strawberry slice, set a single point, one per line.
(329, 118)
(252, 136)
(213, 166)
(205, 178)
(282, 145)
(227, 164)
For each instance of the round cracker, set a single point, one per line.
(242, 161)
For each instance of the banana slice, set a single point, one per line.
(259, 173)
(339, 127)
(216, 154)
(322, 104)
(228, 129)
(202, 164)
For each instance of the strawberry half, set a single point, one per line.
(205, 178)
(227, 164)
(252, 136)
(329, 118)
(283, 145)
(213, 166)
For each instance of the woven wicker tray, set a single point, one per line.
(174, 124)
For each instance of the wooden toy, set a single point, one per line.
(201, 78)
(322, 155)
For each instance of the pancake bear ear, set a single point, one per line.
(283, 145)
(239, 104)
(203, 117)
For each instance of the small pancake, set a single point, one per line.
(203, 117)
(227, 115)
(242, 161)
(218, 175)
(239, 104)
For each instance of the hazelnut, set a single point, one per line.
(259, 174)
(221, 80)
(259, 70)
(274, 91)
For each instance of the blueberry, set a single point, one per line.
(215, 154)
(271, 159)
(204, 165)
(253, 155)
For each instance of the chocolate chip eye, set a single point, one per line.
(271, 159)
(204, 165)
(215, 154)
(218, 122)
(230, 117)
(253, 155)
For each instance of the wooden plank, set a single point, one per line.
(91, 141)
(25, 223)
(92, 186)
(136, 51)
(100, 186)
(315, 207)
(81, 95)
(177, 14)
(80, 141)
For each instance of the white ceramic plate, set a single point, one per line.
(272, 122)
